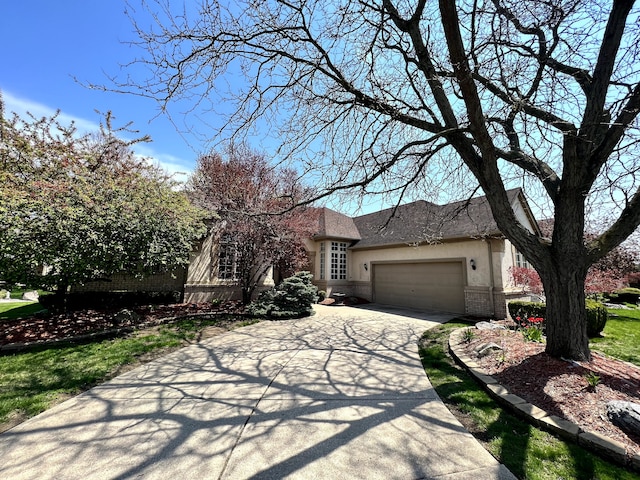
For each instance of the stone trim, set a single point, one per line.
(594, 442)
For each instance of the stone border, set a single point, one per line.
(595, 442)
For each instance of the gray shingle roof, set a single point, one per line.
(421, 221)
(336, 225)
(414, 223)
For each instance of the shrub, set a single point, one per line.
(107, 300)
(525, 310)
(293, 298)
(596, 318)
(626, 295)
(596, 314)
(321, 295)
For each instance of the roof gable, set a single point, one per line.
(336, 225)
(424, 222)
(420, 222)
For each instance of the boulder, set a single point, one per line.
(625, 415)
(31, 295)
(488, 348)
(489, 326)
(125, 317)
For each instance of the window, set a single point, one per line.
(520, 261)
(227, 258)
(323, 259)
(338, 261)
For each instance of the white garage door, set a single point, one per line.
(437, 286)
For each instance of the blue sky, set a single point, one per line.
(51, 47)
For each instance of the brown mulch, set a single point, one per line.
(560, 387)
(39, 329)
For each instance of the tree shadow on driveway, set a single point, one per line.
(323, 397)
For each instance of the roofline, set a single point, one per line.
(527, 210)
(490, 236)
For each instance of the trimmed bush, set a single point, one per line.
(107, 300)
(626, 295)
(596, 318)
(596, 314)
(321, 295)
(293, 298)
(525, 310)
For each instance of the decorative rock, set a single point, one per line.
(487, 349)
(124, 317)
(489, 326)
(625, 415)
(31, 295)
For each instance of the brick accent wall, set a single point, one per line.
(478, 301)
(166, 282)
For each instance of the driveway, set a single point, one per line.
(341, 394)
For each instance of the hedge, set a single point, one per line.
(596, 314)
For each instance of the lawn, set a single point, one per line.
(32, 381)
(621, 336)
(528, 452)
(13, 310)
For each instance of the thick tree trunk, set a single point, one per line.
(566, 322)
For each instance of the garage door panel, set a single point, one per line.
(437, 285)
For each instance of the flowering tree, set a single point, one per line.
(79, 208)
(527, 279)
(255, 206)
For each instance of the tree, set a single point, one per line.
(255, 206)
(80, 208)
(393, 97)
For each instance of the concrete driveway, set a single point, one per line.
(341, 394)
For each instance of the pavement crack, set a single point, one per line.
(250, 416)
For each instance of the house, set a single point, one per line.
(421, 255)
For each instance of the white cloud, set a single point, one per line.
(171, 164)
(22, 106)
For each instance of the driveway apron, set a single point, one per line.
(341, 394)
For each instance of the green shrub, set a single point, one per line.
(321, 295)
(626, 295)
(596, 314)
(524, 310)
(596, 318)
(293, 298)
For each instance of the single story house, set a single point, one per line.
(419, 255)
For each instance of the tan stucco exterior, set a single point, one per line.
(202, 283)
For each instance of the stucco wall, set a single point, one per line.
(203, 285)
(470, 249)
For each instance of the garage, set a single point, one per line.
(428, 285)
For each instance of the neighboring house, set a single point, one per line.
(419, 255)
(423, 256)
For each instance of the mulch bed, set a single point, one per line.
(561, 387)
(48, 328)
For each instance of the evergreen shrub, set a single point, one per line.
(293, 298)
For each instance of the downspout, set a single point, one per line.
(491, 278)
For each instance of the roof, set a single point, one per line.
(418, 222)
(336, 225)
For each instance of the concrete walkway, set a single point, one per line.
(339, 395)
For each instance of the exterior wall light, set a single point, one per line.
(472, 262)
(366, 267)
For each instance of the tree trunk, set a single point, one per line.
(566, 322)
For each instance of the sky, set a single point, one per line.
(52, 49)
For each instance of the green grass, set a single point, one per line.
(31, 382)
(528, 452)
(13, 310)
(621, 336)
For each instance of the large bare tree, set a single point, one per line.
(397, 95)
